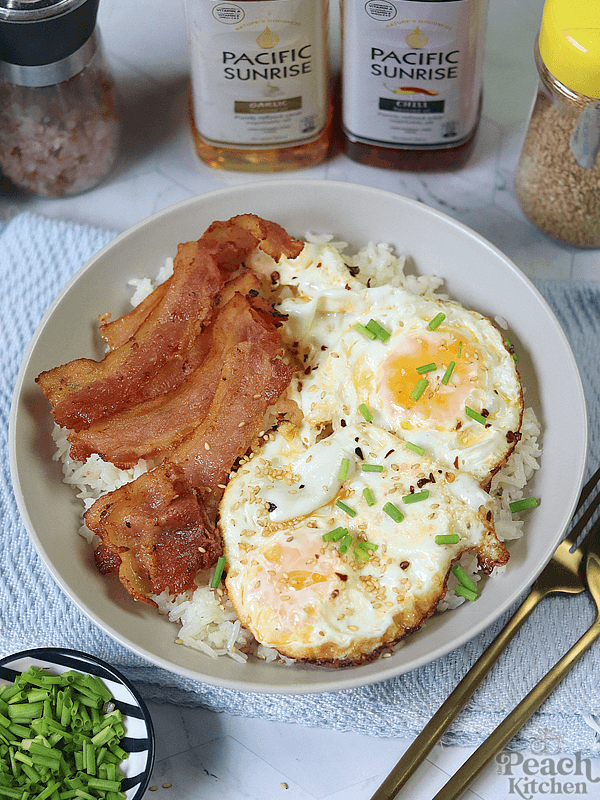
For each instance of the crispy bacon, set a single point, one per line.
(188, 377)
(118, 331)
(84, 391)
(157, 523)
(156, 533)
(155, 427)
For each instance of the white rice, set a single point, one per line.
(206, 617)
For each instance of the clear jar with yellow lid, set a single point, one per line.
(558, 175)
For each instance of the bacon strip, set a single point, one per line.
(84, 391)
(118, 331)
(156, 533)
(155, 427)
(173, 507)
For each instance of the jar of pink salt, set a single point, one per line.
(59, 126)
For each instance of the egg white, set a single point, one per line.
(301, 594)
(349, 370)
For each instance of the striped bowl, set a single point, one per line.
(139, 733)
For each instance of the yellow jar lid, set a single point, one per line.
(569, 43)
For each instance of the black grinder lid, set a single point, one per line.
(37, 32)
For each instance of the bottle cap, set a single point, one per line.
(39, 32)
(569, 44)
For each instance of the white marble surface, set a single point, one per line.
(201, 754)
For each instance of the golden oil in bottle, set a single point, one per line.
(412, 81)
(260, 97)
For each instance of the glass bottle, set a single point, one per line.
(558, 174)
(59, 128)
(260, 96)
(412, 83)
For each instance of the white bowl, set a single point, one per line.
(475, 273)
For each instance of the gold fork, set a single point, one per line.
(563, 573)
(473, 767)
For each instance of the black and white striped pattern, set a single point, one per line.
(139, 738)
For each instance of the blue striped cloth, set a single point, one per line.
(37, 257)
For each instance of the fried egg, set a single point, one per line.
(333, 550)
(434, 373)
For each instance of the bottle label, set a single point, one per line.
(260, 71)
(412, 71)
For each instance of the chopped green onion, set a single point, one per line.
(416, 393)
(464, 592)
(437, 321)
(372, 468)
(475, 415)
(46, 760)
(520, 505)
(459, 349)
(364, 410)
(104, 785)
(447, 538)
(335, 535)
(379, 332)
(346, 542)
(361, 549)
(367, 545)
(216, 578)
(416, 497)
(369, 496)
(365, 331)
(343, 473)
(462, 577)
(426, 368)
(360, 552)
(415, 448)
(393, 512)
(448, 373)
(350, 511)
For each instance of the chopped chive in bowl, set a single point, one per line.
(365, 331)
(447, 538)
(436, 321)
(448, 373)
(521, 505)
(422, 370)
(343, 473)
(416, 497)
(350, 511)
(462, 577)
(393, 512)
(366, 413)
(462, 591)
(475, 415)
(420, 387)
(420, 451)
(369, 496)
(376, 328)
(71, 733)
(218, 573)
(335, 535)
(372, 468)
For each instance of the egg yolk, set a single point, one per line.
(424, 394)
(288, 584)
